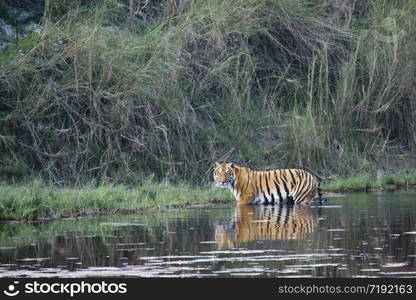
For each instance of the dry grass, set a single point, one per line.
(104, 95)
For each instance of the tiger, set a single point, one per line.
(281, 186)
(260, 222)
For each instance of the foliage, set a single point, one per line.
(117, 91)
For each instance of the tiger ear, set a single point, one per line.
(217, 164)
(232, 165)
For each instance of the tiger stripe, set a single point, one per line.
(291, 186)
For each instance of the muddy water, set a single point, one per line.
(358, 235)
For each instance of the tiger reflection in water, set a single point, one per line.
(253, 222)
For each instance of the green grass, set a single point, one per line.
(352, 183)
(363, 182)
(406, 178)
(36, 200)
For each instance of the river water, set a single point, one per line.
(356, 235)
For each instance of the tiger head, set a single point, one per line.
(224, 174)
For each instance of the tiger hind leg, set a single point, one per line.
(290, 200)
(319, 192)
(321, 200)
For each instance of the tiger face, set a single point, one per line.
(224, 175)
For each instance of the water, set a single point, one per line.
(358, 235)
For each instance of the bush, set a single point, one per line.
(106, 94)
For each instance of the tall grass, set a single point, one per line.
(116, 91)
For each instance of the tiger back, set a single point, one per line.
(282, 186)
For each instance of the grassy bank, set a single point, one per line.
(366, 182)
(37, 201)
(116, 90)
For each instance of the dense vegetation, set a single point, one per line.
(117, 90)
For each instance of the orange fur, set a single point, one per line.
(291, 186)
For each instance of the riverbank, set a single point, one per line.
(366, 182)
(37, 200)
